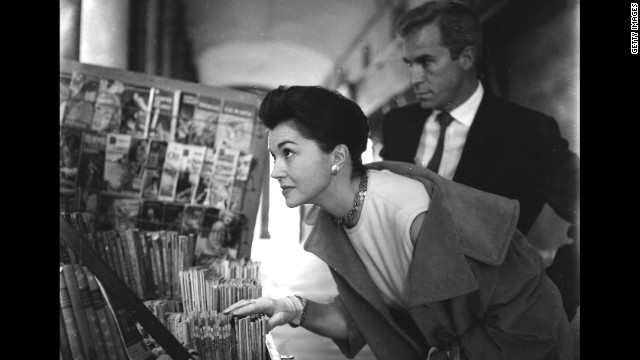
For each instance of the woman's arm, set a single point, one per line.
(320, 318)
(325, 320)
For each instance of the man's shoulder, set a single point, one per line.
(504, 108)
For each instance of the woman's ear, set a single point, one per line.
(340, 155)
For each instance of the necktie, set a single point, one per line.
(444, 118)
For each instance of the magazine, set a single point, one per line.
(189, 172)
(162, 114)
(244, 167)
(106, 215)
(70, 140)
(206, 245)
(205, 120)
(236, 196)
(83, 90)
(107, 112)
(126, 213)
(91, 165)
(169, 178)
(151, 183)
(136, 159)
(225, 164)
(224, 170)
(235, 127)
(192, 220)
(186, 110)
(116, 168)
(201, 193)
(172, 217)
(151, 215)
(136, 110)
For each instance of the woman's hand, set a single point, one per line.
(280, 311)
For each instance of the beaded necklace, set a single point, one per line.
(362, 192)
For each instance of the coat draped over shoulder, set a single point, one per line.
(473, 279)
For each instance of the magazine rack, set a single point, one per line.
(119, 289)
(258, 147)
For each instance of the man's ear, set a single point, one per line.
(467, 58)
(340, 155)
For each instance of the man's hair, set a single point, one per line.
(320, 114)
(459, 25)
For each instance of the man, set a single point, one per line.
(488, 143)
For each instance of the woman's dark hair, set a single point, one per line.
(320, 114)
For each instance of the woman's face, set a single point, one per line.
(300, 166)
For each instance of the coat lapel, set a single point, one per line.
(475, 153)
(460, 222)
(330, 243)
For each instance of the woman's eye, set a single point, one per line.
(287, 153)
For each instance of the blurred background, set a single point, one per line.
(531, 57)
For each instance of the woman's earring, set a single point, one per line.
(334, 169)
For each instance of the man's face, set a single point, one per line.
(436, 78)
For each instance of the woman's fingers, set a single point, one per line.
(246, 307)
(231, 309)
(279, 318)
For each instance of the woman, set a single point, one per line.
(425, 268)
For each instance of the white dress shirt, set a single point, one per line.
(455, 135)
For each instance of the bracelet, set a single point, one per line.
(304, 312)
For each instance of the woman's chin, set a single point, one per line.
(291, 203)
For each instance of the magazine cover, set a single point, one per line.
(88, 201)
(157, 152)
(83, 90)
(219, 191)
(70, 140)
(151, 184)
(192, 220)
(169, 178)
(172, 217)
(208, 247)
(236, 195)
(151, 215)
(116, 169)
(224, 170)
(189, 172)
(205, 120)
(162, 115)
(126, 213)
(201, 193)
(106, 216)
(107, 110)
(221, 236)
(136, 110)
(235, 127)
(91, 166)
(136, 159)
(225, 164)
(65, 82)
(153, 169)
(244, 167)
(186, 111)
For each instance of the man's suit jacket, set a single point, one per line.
(510, 150)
